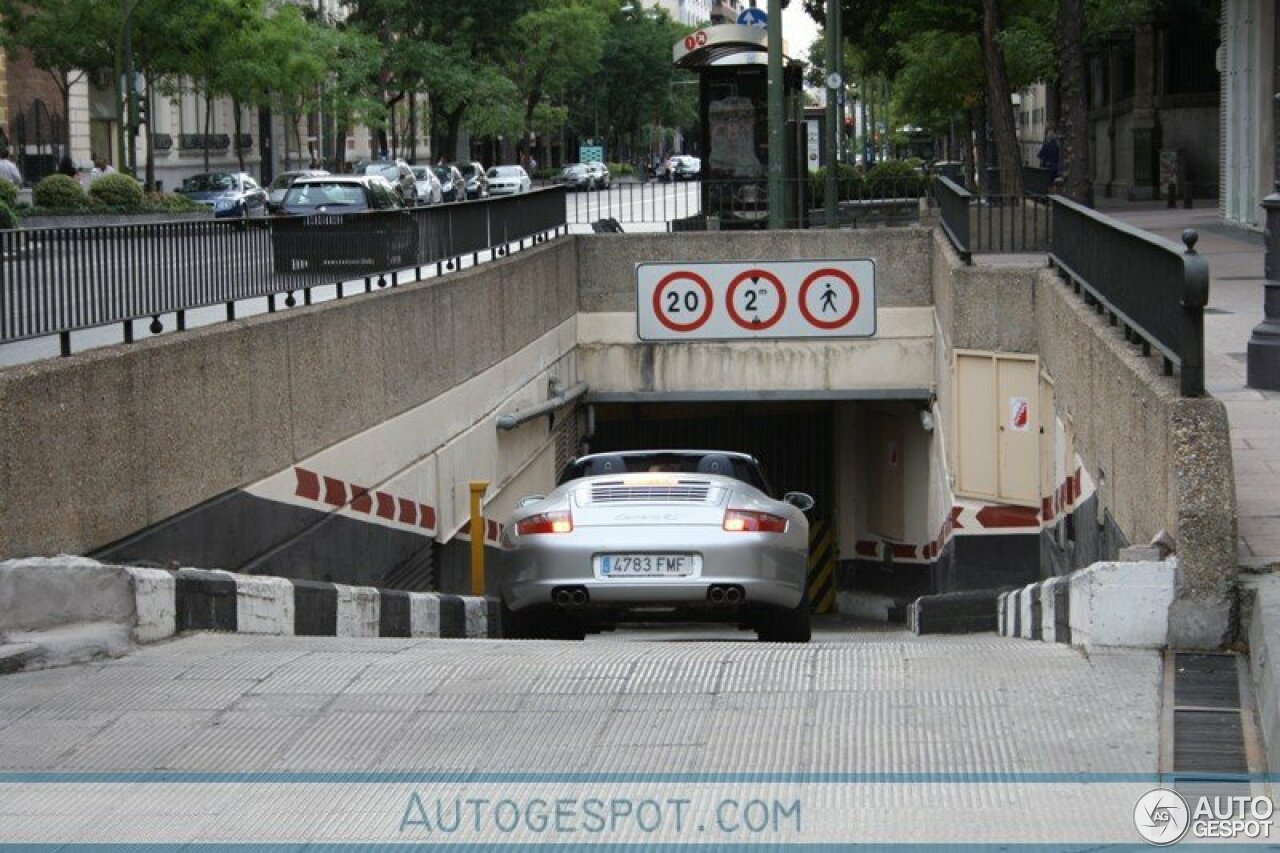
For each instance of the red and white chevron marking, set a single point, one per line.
(969, 518)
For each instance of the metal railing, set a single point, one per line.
(1148, 285)
(744, 202)
(954, 202)
(992, 223)
(54, 281)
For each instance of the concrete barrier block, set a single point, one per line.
(968, 612)
(155, 604)
(1049, 609)
(424, 614)
(264, 605)
(1026, 612)
(453, 617)
(1002, 606)
(357, 614)
(394, 615)
(315, 609)
(206, 600)
(39, 593)
(1123, 605)
(476, 615)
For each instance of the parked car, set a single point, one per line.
(400, 175)
(656, 534)
(278, 186)
(231, 195)
(452, 185)
(429, 189)
(600, 172)
(682, 167)
(475, 179)
(506, 180)
(347, 220)
(576, 176)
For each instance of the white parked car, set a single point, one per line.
(429, 189)
(507, 180)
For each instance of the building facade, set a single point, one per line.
(1246, 61)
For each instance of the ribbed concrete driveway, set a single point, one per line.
(679, 702)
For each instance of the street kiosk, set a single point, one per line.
(731, 61)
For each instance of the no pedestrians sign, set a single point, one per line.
(747, 300)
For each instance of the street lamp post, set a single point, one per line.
(126, 104)
(1263, 365)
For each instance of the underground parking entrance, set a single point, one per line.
(868, 463)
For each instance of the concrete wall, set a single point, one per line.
(1157, 461)
(1160, 461)
(99, 446)
(898, 357)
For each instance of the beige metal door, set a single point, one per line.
(997, 427)
(886, 512)
(974, 412)
(1018, 382)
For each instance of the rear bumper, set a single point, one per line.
(769, 570)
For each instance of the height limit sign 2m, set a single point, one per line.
(745, 300)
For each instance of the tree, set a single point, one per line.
(1074, 155)
(66, 38)
(557, 47)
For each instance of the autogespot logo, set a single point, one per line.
(1161, 816)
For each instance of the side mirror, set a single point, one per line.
(800, 500)
(532, 499)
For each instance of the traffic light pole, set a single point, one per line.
(833, 84)
(131, 97)
(777, 129)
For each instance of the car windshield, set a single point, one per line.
(469, 171)
(444, 174)
(504, 172)
(665, 462)
(282, 181)
(350, 196)
(384, 170)
(211, 182)
(575, 169)
(421, 173)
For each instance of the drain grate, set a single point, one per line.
(1208, 723)
(1206, 681)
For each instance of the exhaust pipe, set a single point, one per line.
(563, 597)
(733, 595)
(578, 597)
(717, 595)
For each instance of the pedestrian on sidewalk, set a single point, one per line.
(8, 170)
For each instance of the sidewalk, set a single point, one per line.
(1235, 257)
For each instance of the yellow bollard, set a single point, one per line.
(478, 488)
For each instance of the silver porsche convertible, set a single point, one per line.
(657, 535)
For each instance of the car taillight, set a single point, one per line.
(545, 522)
(749, 521)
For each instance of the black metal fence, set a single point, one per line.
(954, 203)
(993, 223)
(57, 280)
(1148, 285)
(1143, 283)
(735, 203)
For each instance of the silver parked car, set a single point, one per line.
(657, 535)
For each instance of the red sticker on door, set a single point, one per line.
(1019, 414)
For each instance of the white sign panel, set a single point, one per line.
(1019, 414)
(746, 300)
